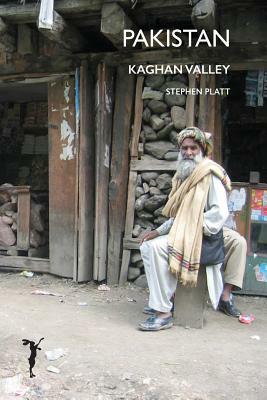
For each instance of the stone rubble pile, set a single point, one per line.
(163, 115)
(151, 195)
(38, 223)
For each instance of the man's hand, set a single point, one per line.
(149, 235)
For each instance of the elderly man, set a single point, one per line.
(197, 205)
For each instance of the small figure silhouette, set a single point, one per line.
(33, 348)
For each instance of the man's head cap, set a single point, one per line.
(202, 138)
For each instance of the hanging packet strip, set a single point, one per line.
(46, 19)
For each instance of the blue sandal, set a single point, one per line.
(155, 323)
(149, 310)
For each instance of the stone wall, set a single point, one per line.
(163, 117)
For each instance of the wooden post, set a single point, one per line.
(23, 228)
(215, 125)
(203, 104)
(119, 170)
(128, 225)
(138, 112)
(86, 183)
(104, 110)
(191, 103)
(210, 116)
(218, 131)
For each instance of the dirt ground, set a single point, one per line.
(107, 357)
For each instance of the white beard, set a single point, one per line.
(185, 166)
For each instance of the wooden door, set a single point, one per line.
(62, 176)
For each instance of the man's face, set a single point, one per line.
(189, 156)
(190, 149)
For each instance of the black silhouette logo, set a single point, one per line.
(33, 347)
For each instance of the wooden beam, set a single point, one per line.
(171, 11)
(31, 65)
(159, 4)
(25, 263)
(29, 12)
(148, 163)
(113, 22)
(246, 25)
(239, 56)
(131, 243)
(119, 170)
(15, 189)
(34, 77)
(64, 34)
(227, 4)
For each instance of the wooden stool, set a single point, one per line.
(190, 303)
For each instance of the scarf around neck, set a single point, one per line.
(186, 205)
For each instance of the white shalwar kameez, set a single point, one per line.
(161, 282)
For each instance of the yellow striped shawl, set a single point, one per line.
(186, 205)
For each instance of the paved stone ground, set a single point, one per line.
(107, 357)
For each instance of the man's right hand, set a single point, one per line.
(149, 235)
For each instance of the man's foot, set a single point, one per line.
(155, 323)
(149, 310)
(228, 308)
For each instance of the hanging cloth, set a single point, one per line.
(46, 19)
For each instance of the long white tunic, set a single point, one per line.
(162, 283)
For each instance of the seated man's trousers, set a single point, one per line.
(162, 283)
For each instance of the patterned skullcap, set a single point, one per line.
(202, 138)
